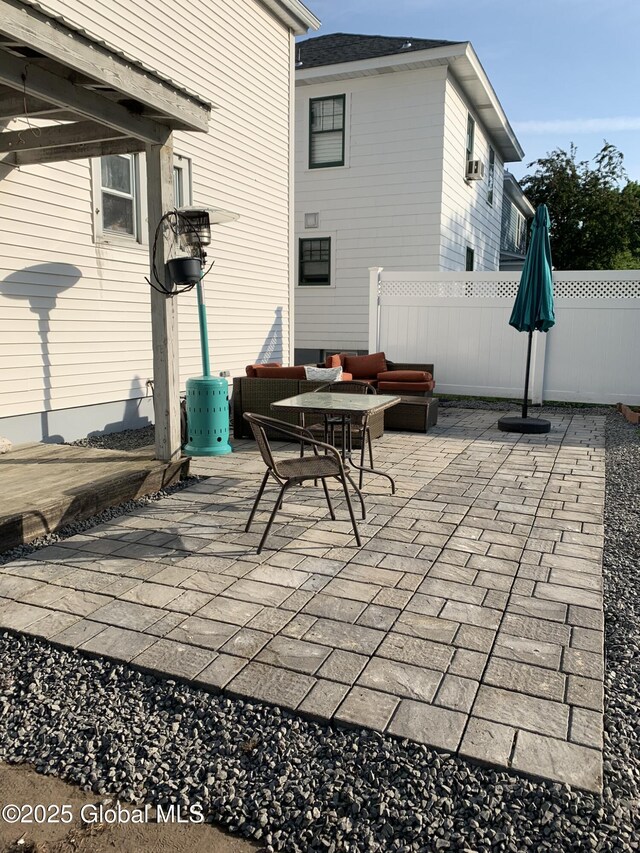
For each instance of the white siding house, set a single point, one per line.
(517, 211)
(399, 195)
(75, 322)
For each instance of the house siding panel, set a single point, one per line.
(95, 333)
(467, 218)
(382, 207)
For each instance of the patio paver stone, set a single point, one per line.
(470, 620)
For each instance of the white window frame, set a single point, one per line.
(470, 253)
(103, 235)
(184, 166)
(469, 151)
(314, 234)
(491, 176)
(141, 238)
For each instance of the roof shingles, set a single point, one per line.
(350, 47)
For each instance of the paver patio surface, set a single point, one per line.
(470, 619)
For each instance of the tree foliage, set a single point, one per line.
(594, 210)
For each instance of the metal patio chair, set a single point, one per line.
(293, 471)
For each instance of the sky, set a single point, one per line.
(564, 70)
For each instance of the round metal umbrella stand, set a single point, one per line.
(533, 311)
(525, 424)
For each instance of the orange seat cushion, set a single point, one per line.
(280, 372)
(250, 369)
(404, 387)
(365, 366)
(404, 376)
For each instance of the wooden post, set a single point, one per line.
(164, 310)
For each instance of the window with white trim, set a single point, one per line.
(120, 195)
(182, 181)
(326, 131)
(469, 259)
(471, 132)
(491, 176)
(314, 263)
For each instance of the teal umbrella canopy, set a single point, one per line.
(533, 308)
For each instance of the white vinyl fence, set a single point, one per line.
(460, 323)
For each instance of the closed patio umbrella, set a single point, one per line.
(533, 311)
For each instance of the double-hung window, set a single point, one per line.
(314, 268)
(471, 132)
(469, 259)
(491, 175)
(181, 181)
(326, 131)
(120, 195)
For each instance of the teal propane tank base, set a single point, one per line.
(207, 416)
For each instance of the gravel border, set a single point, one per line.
(128, 439)
(516, 405)
(300, 786)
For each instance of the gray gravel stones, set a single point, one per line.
(292, 784)
(128, 439)
(621, 567)
(296, 785)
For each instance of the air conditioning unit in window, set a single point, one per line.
(475, 170)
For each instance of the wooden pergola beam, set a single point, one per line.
(125, 145)
(28, 26)
(24, 76)
(13, 105)
(56, 136)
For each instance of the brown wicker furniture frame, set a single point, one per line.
(412, 414)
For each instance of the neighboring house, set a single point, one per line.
(517, 211)
(75, 320)
(400, 152)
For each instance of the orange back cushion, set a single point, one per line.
(336, 360)
(250, 369)
(365, 366)
(280, 372)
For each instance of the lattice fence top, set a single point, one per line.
(604, 289)
(501, 288)
(450, 289)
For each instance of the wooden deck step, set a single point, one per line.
(43, 487)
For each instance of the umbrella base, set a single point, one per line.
(526, 425)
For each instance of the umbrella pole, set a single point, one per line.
(526, 378)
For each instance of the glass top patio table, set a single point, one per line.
(345, 406)
(337, 404)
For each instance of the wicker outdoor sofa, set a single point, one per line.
(255, 393)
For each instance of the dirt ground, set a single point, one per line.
(20, 785)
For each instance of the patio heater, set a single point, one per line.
(207, 396)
